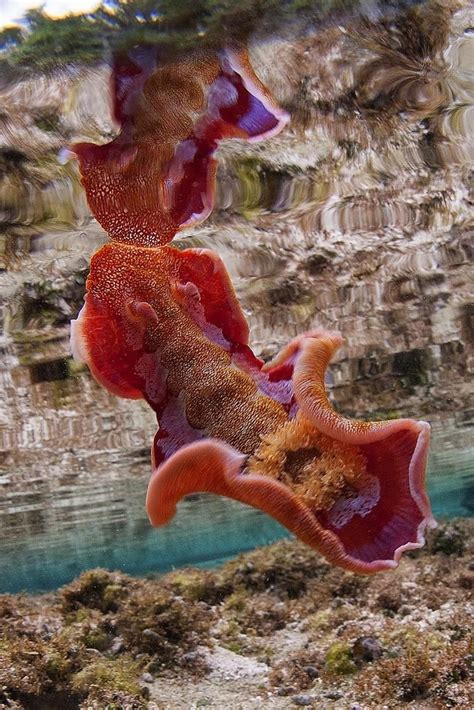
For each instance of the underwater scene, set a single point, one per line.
(236, 346)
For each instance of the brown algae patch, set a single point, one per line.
(92, 641)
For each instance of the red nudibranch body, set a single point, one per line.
(165, 325)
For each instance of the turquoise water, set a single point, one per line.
(55, 532)
(110, 529)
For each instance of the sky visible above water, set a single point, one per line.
(12, 11)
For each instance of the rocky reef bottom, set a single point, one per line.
(275, 628)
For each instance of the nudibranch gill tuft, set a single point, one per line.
(158, 175)
(165, 325)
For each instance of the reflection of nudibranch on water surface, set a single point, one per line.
(165, 325)
(158, 175)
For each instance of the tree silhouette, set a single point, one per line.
(117, 24)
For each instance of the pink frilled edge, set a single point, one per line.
(365, 535)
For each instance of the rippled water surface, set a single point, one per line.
(359, 217)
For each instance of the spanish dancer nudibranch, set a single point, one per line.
(165, 325)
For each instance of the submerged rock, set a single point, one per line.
(366, 648)
(449, 540)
